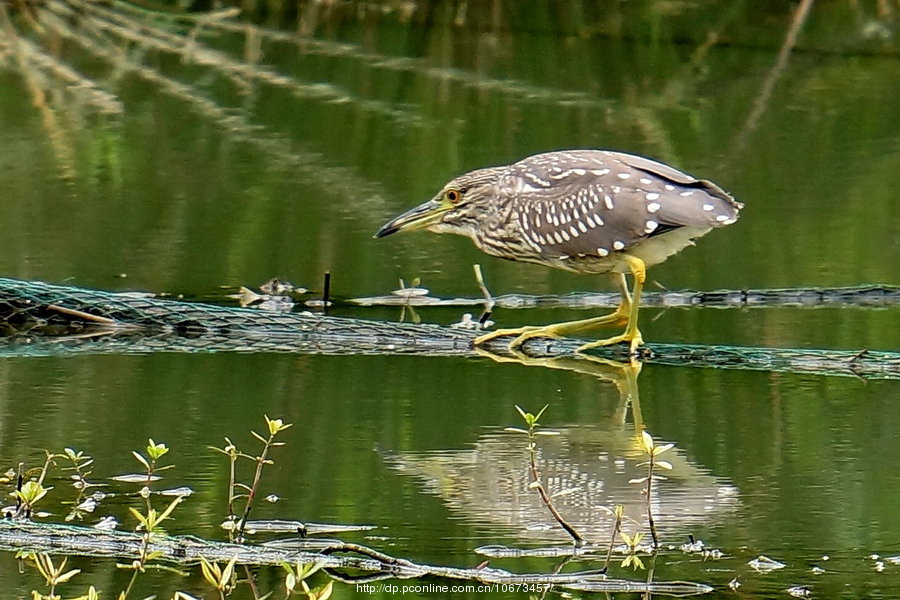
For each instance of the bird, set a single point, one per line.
(584, 211)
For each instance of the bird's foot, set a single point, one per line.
(633, 339)
(522, 335)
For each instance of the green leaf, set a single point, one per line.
(66, 576)
(324, 592)
(210, 572)
(31, 492)
(229, 569)
(276, 425)
(664, 448)
(141, 459)
(664, 464)
(515, 430)
(519, 408)
(137, 515)
(290, 581)
(165, 514)
(156, 451)
(646, 442)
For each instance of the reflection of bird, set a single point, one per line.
(587, 211)
(587, 468)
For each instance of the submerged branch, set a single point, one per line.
(31, 318)
(84, 541)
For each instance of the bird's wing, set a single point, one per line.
(598, 202)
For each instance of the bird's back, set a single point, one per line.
(581, 209)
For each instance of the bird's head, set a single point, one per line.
(458, 208)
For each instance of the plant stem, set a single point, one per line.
(545, 497)
(612, 541)
(260, 461)
(649, 502)
(231, 481)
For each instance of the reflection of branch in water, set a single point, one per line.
(765, 93)
(337, 180)
(242, 74)
(75, 82)
(308, 46)
(59, 141)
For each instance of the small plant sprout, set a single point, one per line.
(28, 494)
(532, 421)
(237, 490)
(297, 575)
(619, 512)
(220, 578)
(154, 452)
(149, 521)
(79, 464)
(53, 575)
(649, 448)
(632, 541)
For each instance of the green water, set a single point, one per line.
(212, 176)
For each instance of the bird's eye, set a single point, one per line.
(453, 196)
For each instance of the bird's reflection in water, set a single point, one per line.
(488, 484)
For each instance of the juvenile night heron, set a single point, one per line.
(587, 211)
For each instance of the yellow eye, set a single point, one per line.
(453, 196)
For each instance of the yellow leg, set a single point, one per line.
(622, 314)
(631, 334)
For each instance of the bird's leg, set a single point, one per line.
(622, 314)
(631, 334)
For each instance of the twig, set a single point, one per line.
(488, 299)
(612, 539)
(765, 93)
(326, 291)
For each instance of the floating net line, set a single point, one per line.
(40, 319)
(863, 296)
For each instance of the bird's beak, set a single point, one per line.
(420, 217)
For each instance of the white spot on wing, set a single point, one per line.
(708, 207)
(600, 172)
(645, 181)
(687, 193)
(623, 175)
(617, 245)
(653, 207)
(608, 201)
(651, 226)
(652, 196)
(602, 251)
